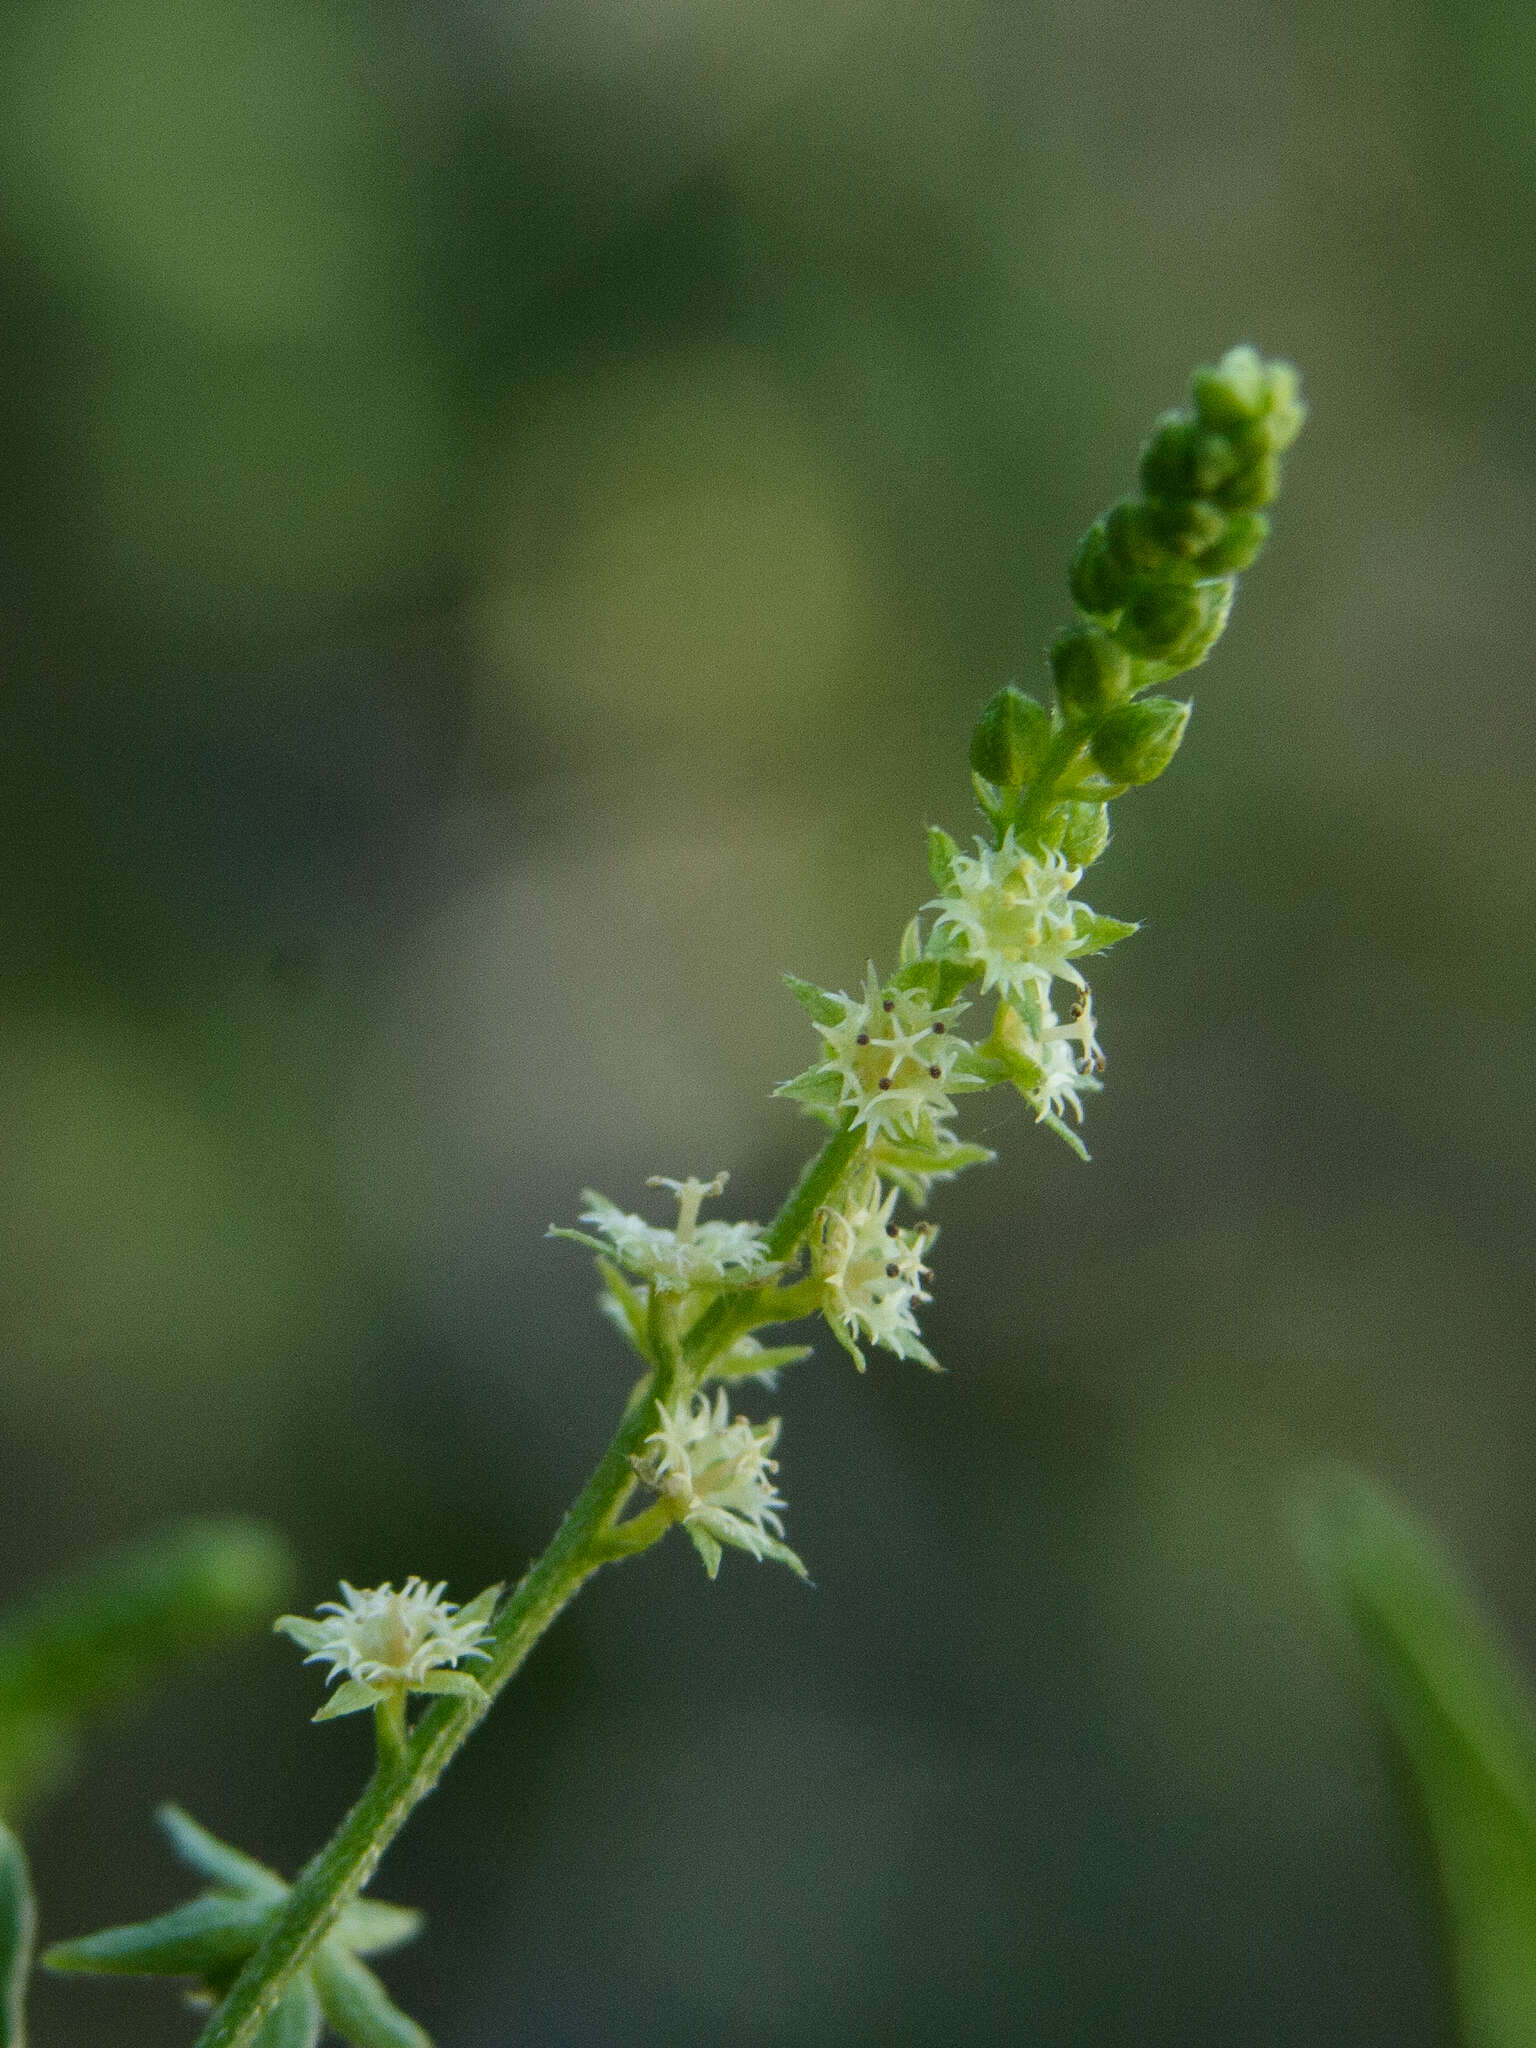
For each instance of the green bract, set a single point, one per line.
(211, 1937)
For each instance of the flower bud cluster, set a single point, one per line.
(1153, 580)
(1207, 472)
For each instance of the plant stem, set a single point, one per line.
(585, 1540)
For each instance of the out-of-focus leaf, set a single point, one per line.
(204, 1936)
(228, 1868)
(357, 2006)
(1463, 1729)
(111, 1631)
(18, 1919)
(295, 2021)
(211, 1937)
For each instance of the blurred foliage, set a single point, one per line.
(1463, 1729)
(122, 1626)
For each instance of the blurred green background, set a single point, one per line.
(511, 512)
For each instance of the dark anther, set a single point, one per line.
(938, 1028)
(935, 1072)
(892, 1271)
(862, 1039)
(885, 1080)
(891, 1230)
(887, 1006)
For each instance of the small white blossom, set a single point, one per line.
(381, 1642)
(872, 1274)
(893, 1057)
(1055, 1063)
(718, 1474)
(693, 1254)
(1011, 912)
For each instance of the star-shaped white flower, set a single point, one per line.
(718, 1475)
(383, 1643)
(890, 1057)
(1011, 912)
(872, 1274)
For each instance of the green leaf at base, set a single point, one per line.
(1462, 1725)
(18, 1925)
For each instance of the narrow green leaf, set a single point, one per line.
(206, 1934)
(459, 1683)
(350, 1697)
(593, 1244)
(941, 857)
(927, 975)
(911, 948)
(357, 2006)
(1461, 1724)
(302, 1629)
(479, 1610)
(1091, 933)
(818, 1087)
(739, 1363)
(782, 1554)
(624, 1306)
(996, 804)
(295, 2021)
(706, 1546)
(371, 1927)
(18, 1925)
(941, 1162)
(819, 1004)
(229, 1868)
(1065, 1132)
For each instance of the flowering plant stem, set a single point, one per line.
(1153, 582)
(585, 1540)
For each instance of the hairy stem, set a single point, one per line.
(585, 1540)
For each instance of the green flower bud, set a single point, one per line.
(1134, 542)
(1092, 671)
(1246, 533)
(1086, 834)
(1175, 622)
(1237, 389)
(1256, 484)
(1168, 459)
(1288, 415)
(1187, 527)
(1098, 585)
(1010, 739)
(1137, 741)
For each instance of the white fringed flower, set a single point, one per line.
(384, 1643)
(891, 1059)
(872, 1273)
(693, 1254)
(718, 1473)
(1054, 1064)
(1012, 914)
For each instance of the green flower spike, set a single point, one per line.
(211, 1937)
